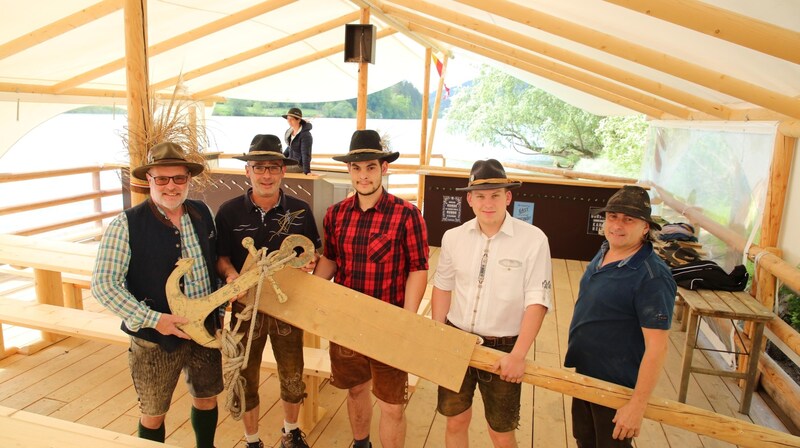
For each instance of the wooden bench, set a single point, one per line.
(22, 429)
(726, 305)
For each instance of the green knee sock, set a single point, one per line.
(156, 435)
(204, 424)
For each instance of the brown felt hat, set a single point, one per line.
(366, 145)
(266, 147)
(488, 175)
(166, 154)
(632, 201)
(296, 113)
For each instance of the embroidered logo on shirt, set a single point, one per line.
(508, 263)
(285, 223)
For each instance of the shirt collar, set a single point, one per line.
(251, 206)
(634, 261)
(507, 227)
(381, 206)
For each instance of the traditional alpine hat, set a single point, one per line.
(366, 145)
(166, 154)
(266, 147)
(488, 175)
(296, 113)
(632, 201)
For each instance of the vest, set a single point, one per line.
(155, 247)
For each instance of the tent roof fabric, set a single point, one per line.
(606, 57)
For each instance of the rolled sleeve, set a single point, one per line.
(539, 281)
(417, 239)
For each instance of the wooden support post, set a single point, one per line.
(780, 169)
(436, 104)
(48, 291)
(688, 351)
(363, 71)
(423, 133)
(73, 296)
(98, 202)
(311, 413)
(137, 76)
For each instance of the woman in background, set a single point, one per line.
(298, 141)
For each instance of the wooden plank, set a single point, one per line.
(735, 303)
(67, 321)
(756, 309)
(666, 411)
(106, 328)
(326, 309)
(70, 367)
(22, 429)
(58, 256)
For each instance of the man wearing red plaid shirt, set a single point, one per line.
(377, 244)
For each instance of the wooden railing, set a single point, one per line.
(95, 194)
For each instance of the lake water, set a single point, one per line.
(88, 139)
(71, 140)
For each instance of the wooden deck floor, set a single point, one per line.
(88, 382)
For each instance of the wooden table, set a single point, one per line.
(49, 259)
(726, 305)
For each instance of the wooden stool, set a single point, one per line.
(727, 305)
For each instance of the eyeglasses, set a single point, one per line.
(261, 169)
(164, 180)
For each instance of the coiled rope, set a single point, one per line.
(235, 355)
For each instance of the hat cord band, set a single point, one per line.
(368, 151)
(489, 181)
(264, 153)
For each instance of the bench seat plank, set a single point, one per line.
(22, 429)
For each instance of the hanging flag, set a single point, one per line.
(439, 68)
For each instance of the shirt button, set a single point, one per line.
(177, 245)
(176, 232)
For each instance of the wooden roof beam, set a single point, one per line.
(16, 88)
(642, 55)
(377, 9)
(715, 110)
(723, 24)
(176, 41)
(60, 27)
(282, 68)
(258, 51)
(506, 58)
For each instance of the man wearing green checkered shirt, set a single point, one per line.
(136, 256)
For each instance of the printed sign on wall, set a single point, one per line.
(451, 208)
(523, 211)
(596, 220)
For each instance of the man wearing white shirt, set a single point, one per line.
(494, 279)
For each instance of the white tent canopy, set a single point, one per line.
(598, 55)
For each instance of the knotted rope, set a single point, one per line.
(231, 346)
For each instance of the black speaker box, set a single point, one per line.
(359, 43)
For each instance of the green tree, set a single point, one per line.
(500, 109)
(341, 109)
(624, 139)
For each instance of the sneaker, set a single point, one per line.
(293, 439)
(258, 444)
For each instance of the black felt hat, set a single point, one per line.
(632, 201)
(488, 175)
(166, 154)
(266, 147)
(366, 145)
